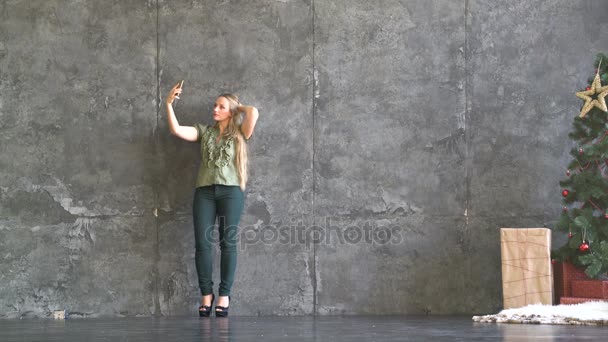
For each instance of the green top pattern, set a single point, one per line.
(218, 160)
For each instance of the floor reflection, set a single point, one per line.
(300, 328)
(216, 329)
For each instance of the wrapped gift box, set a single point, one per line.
(590, 288)
(563, 275)
(527, 276)
(576, 300)
(573, 286)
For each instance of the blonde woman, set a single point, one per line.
(220, 189)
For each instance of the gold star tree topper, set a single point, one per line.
(596, 89)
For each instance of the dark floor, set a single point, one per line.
(325, 328)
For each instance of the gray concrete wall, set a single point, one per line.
(396, 137)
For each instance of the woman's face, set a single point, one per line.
(221, 109)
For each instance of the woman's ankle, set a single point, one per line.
(223, 300)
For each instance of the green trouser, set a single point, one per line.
(226, 203)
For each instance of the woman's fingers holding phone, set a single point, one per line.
(174, 92)
(178, 88)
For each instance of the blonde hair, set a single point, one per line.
(233, 130)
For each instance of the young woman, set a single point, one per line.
(220, 187)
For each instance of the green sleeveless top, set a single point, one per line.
(218, 160)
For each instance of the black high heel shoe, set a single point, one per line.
(223, 310)
(204, 310)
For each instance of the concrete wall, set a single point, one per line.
(395, 138)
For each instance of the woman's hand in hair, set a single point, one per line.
(251, 118)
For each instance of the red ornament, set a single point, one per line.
(580, 151)
(588, 88)
(606, 216)
(565, 193)
(553, 261)
(568, 171)
(570, 235)
(584, 247)
(565, 209)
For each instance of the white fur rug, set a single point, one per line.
(590, 313)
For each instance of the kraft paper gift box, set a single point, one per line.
(527, 276)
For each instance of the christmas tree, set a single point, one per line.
(585, 190)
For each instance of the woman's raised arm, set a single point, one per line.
(187, 133)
